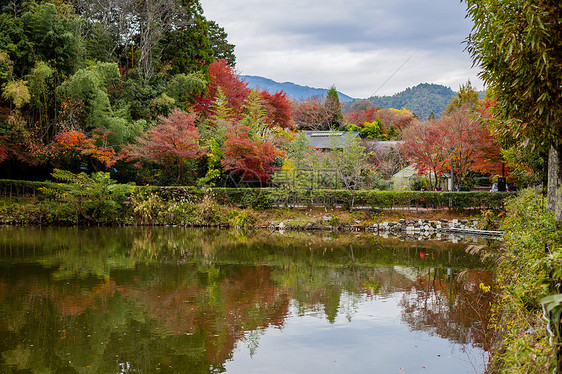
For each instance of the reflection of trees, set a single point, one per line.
(450, 304)
(179, 300)
(187, 317)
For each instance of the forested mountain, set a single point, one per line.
(293, 91)
(422, 100)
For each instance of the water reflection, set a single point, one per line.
(189, 301)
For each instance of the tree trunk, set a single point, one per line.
(554, 188)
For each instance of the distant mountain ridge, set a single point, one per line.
(293, 91)
(423, 99)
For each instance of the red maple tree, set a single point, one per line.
(279, 111)
(236, 91)
(252, 158)
(424, 145)
(360, 116)
(6, 149)
(489, 158)
(173, 141)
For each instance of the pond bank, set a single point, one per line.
(412, 226)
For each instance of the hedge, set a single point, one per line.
(21, 188)
(262, 198)
(270, 197)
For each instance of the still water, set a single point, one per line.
(175, 300)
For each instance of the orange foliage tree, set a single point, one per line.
(72, 146)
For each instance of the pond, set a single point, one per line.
(177, 300)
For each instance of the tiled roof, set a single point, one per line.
(323, 139)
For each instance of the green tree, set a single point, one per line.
(301, 152)
(17, 92)
(372, 130)
(187, 48)
(518, 44)
(52, 38)
(185, 88)
(41, 87)
(222, 49)
(466, 97)
(89, 87)
(333, 106)
(348, 159)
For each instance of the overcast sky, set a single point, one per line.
(363, 47)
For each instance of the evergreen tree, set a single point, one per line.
(220, 46)
(333, 107)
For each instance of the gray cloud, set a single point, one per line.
(355, 44)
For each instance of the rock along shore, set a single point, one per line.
(403, 226)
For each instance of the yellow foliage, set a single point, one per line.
(401, 112)
(17, 92)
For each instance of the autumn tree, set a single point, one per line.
(464, 138)
(73, 148)
(310, 114)
(235, 90)
(253, 159)
(397, 119)
(460, 140)
(517, 45)
(6, 149)
(247, 149)
(171, 143)
(489, 158)
(424, 145)
(359, 114)
(278, 108)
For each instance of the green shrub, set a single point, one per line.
(523, 274)
(244, 218)
(97, 198)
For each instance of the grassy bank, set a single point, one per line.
(34, 211)
(524, 277)
(97, 200)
